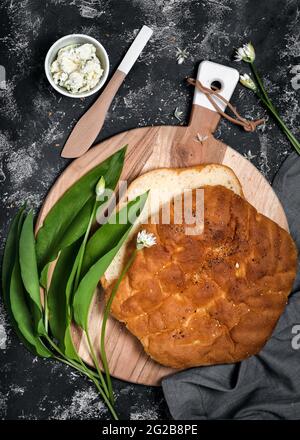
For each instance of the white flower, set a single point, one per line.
(100, 187)
(181, 55)
(178, 114)
(200, 138)
(145, 239)
(245, 53)
(249, 155)
(248, 82)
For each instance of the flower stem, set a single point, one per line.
(91, 376)
(106, 389)
(104, 322)
(282, 125)
(262, 94)
(83, 245)
(111, 408)
(46, 312)
(260, 84)
(82, 369)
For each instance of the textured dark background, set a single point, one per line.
(35, 122)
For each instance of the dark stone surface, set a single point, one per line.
(35, 122)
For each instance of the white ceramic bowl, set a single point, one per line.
(77, 39)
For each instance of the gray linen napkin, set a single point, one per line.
(265, 386)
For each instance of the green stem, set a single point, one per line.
(97, 364)
(83, 245)
(282, 125)
(91, 376)
(46, 313)
(111, 408)
(73, 364)
(260, 84)
(104, 322)
(85, 371)
(53, 345)
(268, 103)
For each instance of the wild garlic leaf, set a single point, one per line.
(29, 271)
(56, 296)
(73, 209)
(8, 262)
(85, 292)
(10, 253)
(108, 235)
(14, 292)
(23, 316)
(69, 349)
(44, 276)
(86, 289)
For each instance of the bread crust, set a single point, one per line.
(180, 171)
(210, 298)
(164, 184)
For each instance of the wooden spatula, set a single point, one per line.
(89, 125)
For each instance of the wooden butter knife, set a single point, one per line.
(89, 125)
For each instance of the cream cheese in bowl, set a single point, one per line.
(77, 68)
(77, 65)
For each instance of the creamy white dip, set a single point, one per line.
(77, 68)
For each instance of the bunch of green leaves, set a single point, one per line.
(82, 258)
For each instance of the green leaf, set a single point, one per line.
(84, 294)
(68, 218)
(29, 271)
(108, 235)
(10, 254)
(14, 294)
(69, 348)
(56, 298)
(8, 263)
(44, 276)
(59, 296)
(22, 314)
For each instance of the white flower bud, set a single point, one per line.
(245, 53)
(248, 82)
(145, 239)
(100, 187)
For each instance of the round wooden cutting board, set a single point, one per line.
(157, 147)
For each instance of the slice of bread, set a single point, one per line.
(165, 184)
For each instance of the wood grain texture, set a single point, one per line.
(89, 125)
(150, 148)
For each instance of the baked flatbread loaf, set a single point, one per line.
(211, 298)
(165, 184)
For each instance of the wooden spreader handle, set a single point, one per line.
(89, 125)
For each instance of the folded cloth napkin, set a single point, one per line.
(265, 386)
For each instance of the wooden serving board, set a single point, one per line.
(151, 148)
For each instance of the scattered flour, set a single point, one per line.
(144, 414)
(21, 167)
(263, 161)
(292, 39)
(16, 389)
(88, 9)
(9, 106)
(3, 404)
(3, 337)
(3, 329)
(85, 404)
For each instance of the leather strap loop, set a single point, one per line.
(239, 120)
